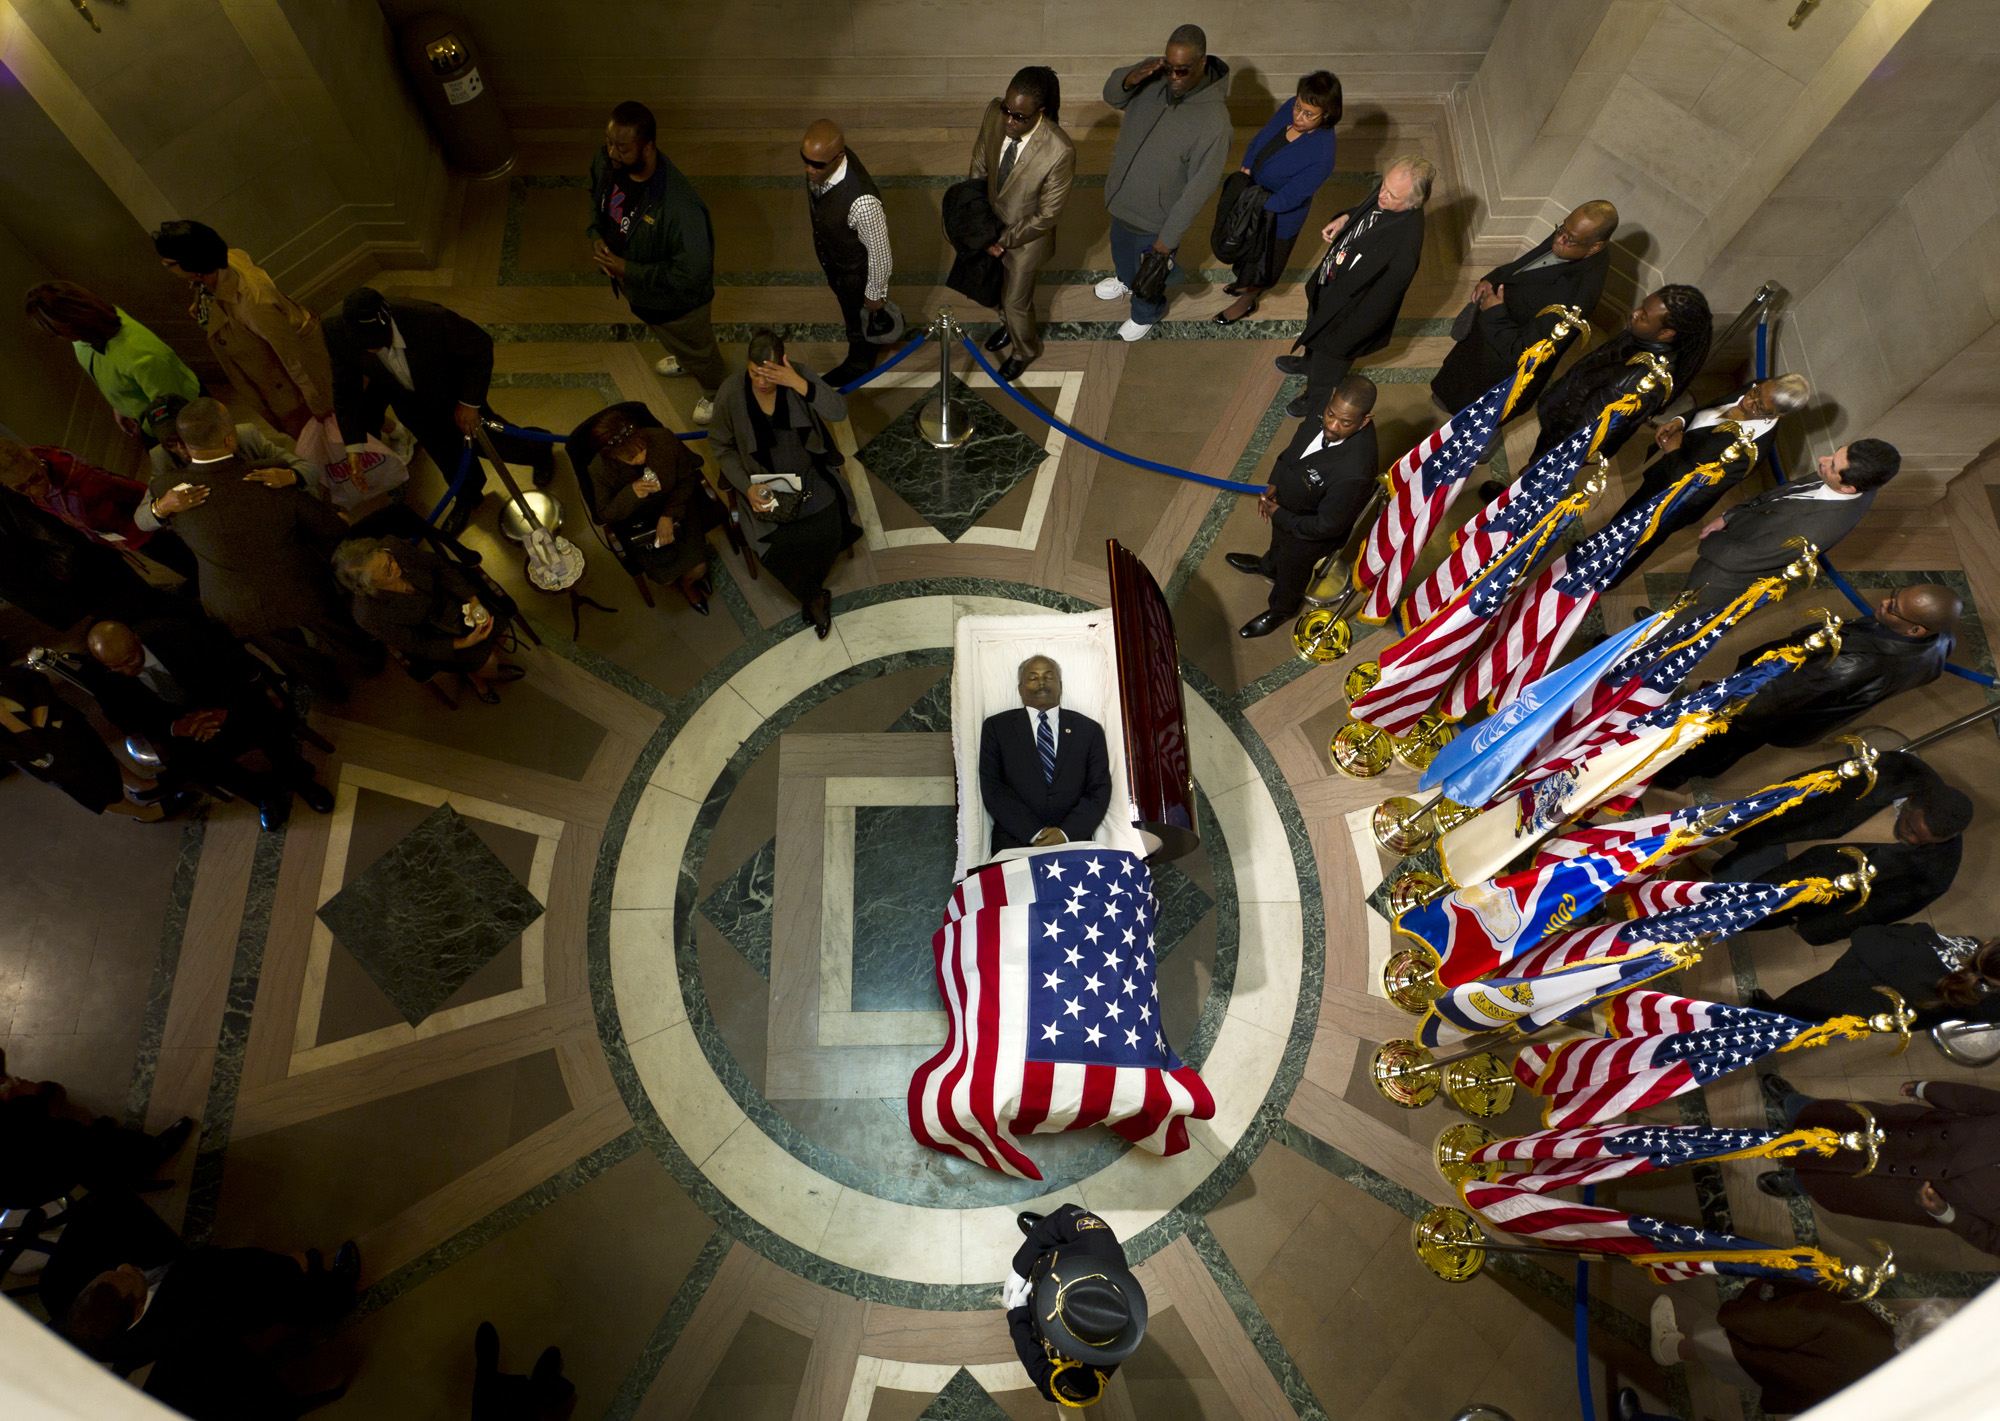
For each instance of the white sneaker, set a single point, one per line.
(668, 366)
(1132, 330)
(1111, 288)
(1665, 1339)
(704, 410)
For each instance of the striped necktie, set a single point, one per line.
(1045, 741)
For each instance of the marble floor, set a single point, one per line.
(643, 1100)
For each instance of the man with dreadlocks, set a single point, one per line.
(1073, 1307)
(1028, 162)
(1672, 323)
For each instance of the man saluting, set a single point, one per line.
(1073, 1307)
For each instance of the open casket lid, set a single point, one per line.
(1158, 768)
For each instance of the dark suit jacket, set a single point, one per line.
(212, 671)
(1908, 879)
(1874, 664)
(1493, 347)
(1069, 1230)
(104, 1230)
(1668, 466)
(1754, 540)
(264, 553)
(1902, 956)
(1320, 497)
(1950, 1138)
(451, 362)
(1898, 775)
(1802, 1344)
(1021, 801)
(1355, 312)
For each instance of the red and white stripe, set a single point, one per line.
(1417, 668)
(981, 1087)
(1472, 549)
(1400, 533)
(1604, 1077)
(1530, 633)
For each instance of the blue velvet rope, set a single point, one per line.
(1978, 678)
(1588, 1408)
(1087, 442)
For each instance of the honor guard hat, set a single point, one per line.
(883, 326)
(1090, 1309)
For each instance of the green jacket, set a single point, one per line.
(670, 251)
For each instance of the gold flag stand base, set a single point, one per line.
(1408, 1075)
(1413, 889)
(1410, 980)
(1449, 1243)
(1321, 636)
(1451, 1147)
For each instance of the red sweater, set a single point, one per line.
(91, 500)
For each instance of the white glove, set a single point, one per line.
(1016, 1291)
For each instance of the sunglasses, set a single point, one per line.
(816, 166)
(1013, 117)
(1179, 71)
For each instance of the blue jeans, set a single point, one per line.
(1127, 247)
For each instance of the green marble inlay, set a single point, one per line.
(740, 907)
(1255, 1325)
(639, 1380)
(429, 913)
(951, 489)
(1224, 504)
(166, 964)
(963, 1399)
(903, 860)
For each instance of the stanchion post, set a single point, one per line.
(943, 423)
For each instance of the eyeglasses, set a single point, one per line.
(816, 166)
(1179, 71)
(1013, 117)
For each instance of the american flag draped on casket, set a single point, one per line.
(1045, 964)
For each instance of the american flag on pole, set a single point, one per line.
(1724, 911)
(1414, 670)
(1702, 824)
(1518, 1202)
(1046, 966)
(1476, 930)
(1536, 626)
(1421, 485)
(1484, 534)
(1524, 1005)
(1659, 1046)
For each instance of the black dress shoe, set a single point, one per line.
(997, 342)
(545, 474)
(1291, 364)
(1776, 1088)
(318, 798)
(819, 612)
(1262, 625)
(1011, 368)
(1780, 1184)
(168, 1142)
(1297, 409)
(1028, 1221)
(347, 1266)
(1247, 563)
(1626, 1404)
(274, 811)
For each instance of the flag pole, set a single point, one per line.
(1952, 727)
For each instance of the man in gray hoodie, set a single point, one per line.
(1172, 149)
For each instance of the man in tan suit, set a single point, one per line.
(1028, 162)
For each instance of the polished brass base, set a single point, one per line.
(1320, 637)
(1359, 751)
(1447, 1241)
(1411, 981)
(1403, 1073)
(1402, 825)
(1361, 680)
(1451, 1147)
(1413, 889)
(1480, 1085)
(944, 424)
(1417, 749)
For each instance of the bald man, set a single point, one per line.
(1565, 268)
(1903, 646)
(198, 699)
(850, 237)
(1318, 487)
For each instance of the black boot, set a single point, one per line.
(1028, 1221)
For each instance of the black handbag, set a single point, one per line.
(1149, 282)
(1236, 217)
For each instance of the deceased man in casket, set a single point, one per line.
(1043, 771)
(1045, 963)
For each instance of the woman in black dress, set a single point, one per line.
(1942, 978)
(651, 495)
(771, 441)
(426, 609)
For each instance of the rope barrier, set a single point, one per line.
(1587, 1408)
(1087, 442)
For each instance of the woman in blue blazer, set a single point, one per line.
(1291, 158)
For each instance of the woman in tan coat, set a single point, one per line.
(269, 345)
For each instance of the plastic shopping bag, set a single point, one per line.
(381, 468)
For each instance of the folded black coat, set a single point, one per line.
(971, 227)
(1243, 229)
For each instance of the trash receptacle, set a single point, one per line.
(443, 64)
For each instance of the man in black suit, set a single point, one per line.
(1910, 874)
(1899, 777)
(1686, 444)
(1750, 540)
(1044, 773)
(1903, 646)
(1318, 487)
(263, 548)
(1565, 268)
(433, 367)
(1354, 293)
(196, 696)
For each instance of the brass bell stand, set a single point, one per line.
(1406, 1074)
